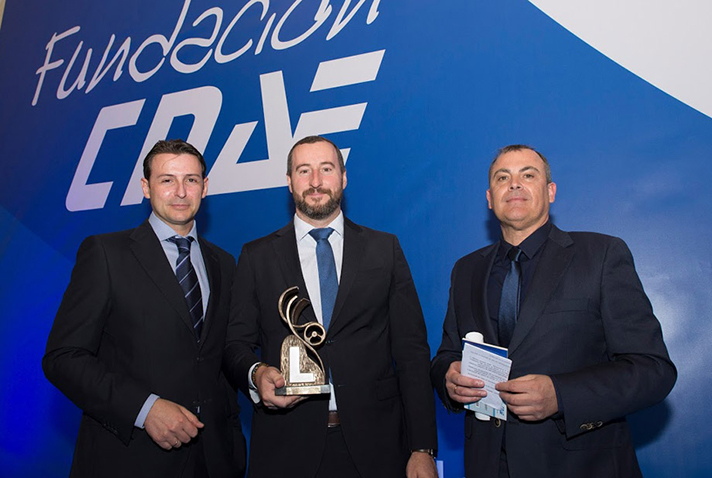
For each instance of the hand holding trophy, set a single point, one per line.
(300, 364)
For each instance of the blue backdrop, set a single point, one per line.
(421, 94)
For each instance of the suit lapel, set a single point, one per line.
(475, 284)
(150, 255)
(352, 254)
(285, 248)
(212, 267)
(554, 261)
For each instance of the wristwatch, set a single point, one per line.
(254, 372)
(429, 451)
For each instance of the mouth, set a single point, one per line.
(316, 193)
(515, 199)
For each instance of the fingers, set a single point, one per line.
(421, 465)
(463, 389)
(269, 376)
(531, 397)
(267, 380)
(519, 385)
(284, 402)
(171, 425)
(274, 402)
(192, 419)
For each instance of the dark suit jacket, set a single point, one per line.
(122, 332)
(376, 348)
(588, 324)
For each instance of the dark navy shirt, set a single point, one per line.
(531, 252)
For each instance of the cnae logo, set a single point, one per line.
(227, 175)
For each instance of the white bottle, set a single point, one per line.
(478, 338)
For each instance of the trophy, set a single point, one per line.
(300, 365)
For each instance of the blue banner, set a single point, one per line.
(419, 95)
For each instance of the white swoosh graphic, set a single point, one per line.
(2, 10)
(666, 43)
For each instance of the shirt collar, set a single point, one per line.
(529, 246)
(164, 231)
(302, 228)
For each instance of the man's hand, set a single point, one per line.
(531, 397)
(266, 380)
(170, 425)
(463, 389)
(421, 465)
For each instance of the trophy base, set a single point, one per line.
(302, 390)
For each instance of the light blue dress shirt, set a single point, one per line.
(164, 232)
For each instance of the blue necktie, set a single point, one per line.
(328, 282)
(509, 303)
(188, 280)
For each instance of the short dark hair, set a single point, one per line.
(312, 140)
(519, 147)
(171, 146)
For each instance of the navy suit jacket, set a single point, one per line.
(376, 348)
(588, 324)
(122, 332)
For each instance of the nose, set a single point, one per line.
(514, 183)
(180, 189)
(315, 179)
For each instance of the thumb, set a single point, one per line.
(275, 378)
(192, 418)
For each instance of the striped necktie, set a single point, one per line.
(188, 280)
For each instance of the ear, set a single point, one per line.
(146, 188)
(205, 188)
(343, 180)
(289, 183)
(489, 199)
(551, 187)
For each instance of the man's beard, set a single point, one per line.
(319, 211)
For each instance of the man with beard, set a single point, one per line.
(379, 419)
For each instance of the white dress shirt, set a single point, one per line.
(306, 247)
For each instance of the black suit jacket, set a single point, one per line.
(122, 332)
(588, 324)
(376, 349)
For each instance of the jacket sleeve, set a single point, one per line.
(450, 349)
(411, 354)
(243, 326)
(71, 362)
(636, 371)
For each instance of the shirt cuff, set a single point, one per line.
(141, 418)
(251, 385)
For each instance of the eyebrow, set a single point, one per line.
(506, 170)
(322, 163)
(167, 175)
